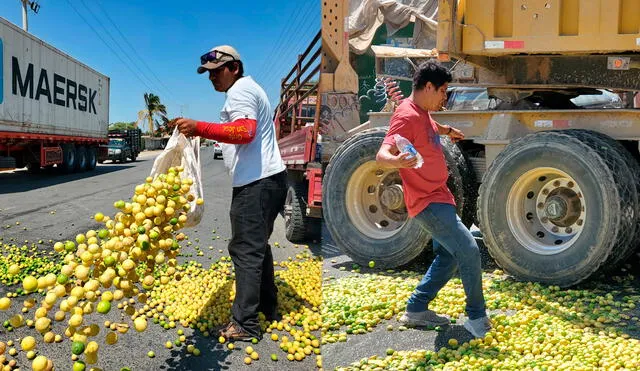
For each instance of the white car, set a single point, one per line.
(217, 150)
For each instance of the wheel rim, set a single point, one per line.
(375, 202)
(546, 210)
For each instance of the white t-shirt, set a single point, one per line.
(260, 158)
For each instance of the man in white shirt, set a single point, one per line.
(259, 186)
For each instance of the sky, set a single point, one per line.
(155, 46)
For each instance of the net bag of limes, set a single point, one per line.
(185, 152)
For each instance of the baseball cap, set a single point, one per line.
(216, 57)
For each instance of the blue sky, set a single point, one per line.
(169, 37)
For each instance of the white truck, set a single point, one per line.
(54, 110)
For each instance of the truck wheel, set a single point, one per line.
(81, 159)
(92, 158)
(462, 181)
(298, 226)
(68, 158)
(364, 208)
(628, 170)
(543, 202)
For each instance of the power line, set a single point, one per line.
(134, 50)
(280, 44)
(116, 42)
(107, 45)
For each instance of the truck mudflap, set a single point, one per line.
(50, 155)
(297, 148)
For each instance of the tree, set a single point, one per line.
(122, 125)
(153, 108)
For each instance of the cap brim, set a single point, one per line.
(210, 66)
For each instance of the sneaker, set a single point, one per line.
(478, 327)
(423, 319)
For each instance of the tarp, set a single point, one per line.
(366, 16)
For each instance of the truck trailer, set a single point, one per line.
(554, 188)
(54, 110)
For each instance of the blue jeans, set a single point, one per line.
(454, 246)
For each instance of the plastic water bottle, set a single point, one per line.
(404, 146)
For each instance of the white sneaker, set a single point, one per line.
(478, 327)
(423, 319)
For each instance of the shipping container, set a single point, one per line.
(53, 108)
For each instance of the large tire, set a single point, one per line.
(68, 158)
(544, 201)
(81, 159)
(92, 158)
(362, 227)
(461, 182)
(298, 226)
(628, 176)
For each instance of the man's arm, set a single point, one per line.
(388, 156)
(241, 131)
(450, 131)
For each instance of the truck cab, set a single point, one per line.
(124, 144)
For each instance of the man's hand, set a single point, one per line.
(402, 161)
(186, 126)
(456, 135)
(389, 157)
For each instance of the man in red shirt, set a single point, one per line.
(430, 202)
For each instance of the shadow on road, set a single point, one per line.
(23, 181)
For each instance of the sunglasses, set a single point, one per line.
(214, 56)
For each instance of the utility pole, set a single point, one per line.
(34, 7)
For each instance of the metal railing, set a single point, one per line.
(299, 89)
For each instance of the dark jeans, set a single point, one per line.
(254, 208)
(454, 246)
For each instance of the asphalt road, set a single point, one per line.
(58, 207)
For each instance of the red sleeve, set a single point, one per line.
(241, 131)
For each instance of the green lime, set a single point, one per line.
(103, 307)
(79, 366)
(142, 230)
(77, 347)
(103, 233)
(62, 278)
(274, 357)
(254, 341)
(70, 246)
(109, 261)
(173, 221)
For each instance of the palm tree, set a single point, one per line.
(154, 107)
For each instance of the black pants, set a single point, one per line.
(254, 208)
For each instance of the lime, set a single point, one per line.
(30, 283)
(453, 343)
(173, 221)
(98, 217)
(79, 366)
(142, 230)
(109, 261)
(254, 341)
(62, 278)
(274, 357)
(372, 264)
(5, 303)
(118, 204)
(103, 307)
(14, 269)
(151, 354)
(103, 233)
(77, 347)
(70, 246)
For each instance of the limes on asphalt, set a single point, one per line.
(77, 347)
(30, 283)
(453, 343)
(79, 366)
(372, 264)
(39, 363)
(98, 217)
(140, 324)
(5, 303)
(103, 307)
(27, 343)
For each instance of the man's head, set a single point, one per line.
(224, 66)
(430, 83)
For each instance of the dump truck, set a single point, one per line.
(298, 134)
(54, 110)
(553, 186)
(124, 144)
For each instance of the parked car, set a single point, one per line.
(217, 150)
